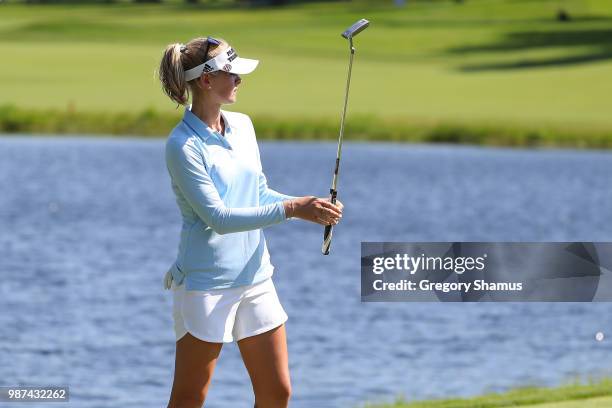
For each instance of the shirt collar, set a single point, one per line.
(200, 127)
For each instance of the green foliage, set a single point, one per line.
(151, 122)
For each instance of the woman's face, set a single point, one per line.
(223, 87)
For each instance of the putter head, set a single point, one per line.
(356, 28)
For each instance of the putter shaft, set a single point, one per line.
(355, 29)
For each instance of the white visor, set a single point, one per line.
(227, 61)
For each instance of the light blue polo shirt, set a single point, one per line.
(225, 202)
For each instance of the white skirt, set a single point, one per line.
(226, 315)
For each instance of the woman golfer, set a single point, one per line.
(221, 280)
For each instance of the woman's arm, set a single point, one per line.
(308, 208)
(266, 194)
(186, 166)
(269, 196)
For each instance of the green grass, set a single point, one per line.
(501, 62)
(591, 395)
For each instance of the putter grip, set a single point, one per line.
(326, 240)
(327, 234)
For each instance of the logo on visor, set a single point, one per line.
(207, 68)
(231, 55)
(227, 67)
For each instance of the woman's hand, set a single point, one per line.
(338, 204)
(319, 210)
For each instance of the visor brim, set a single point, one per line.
(243, 66)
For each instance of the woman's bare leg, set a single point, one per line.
(193, 369)
(266, 360)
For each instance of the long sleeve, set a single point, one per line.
(269, 196)
(186, 166)
(266, 194)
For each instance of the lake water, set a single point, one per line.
(89, 226)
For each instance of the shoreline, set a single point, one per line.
(150, 123)
(592, 394)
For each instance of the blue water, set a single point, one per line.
(89, 226)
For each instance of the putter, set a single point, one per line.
(350, 32)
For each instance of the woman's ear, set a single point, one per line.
(206, 84)
(203, 82)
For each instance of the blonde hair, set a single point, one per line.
(177, 59)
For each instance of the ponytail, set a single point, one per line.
(172, 75)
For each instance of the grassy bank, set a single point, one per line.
(593, 395)
(153, 123)
(485, 71)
